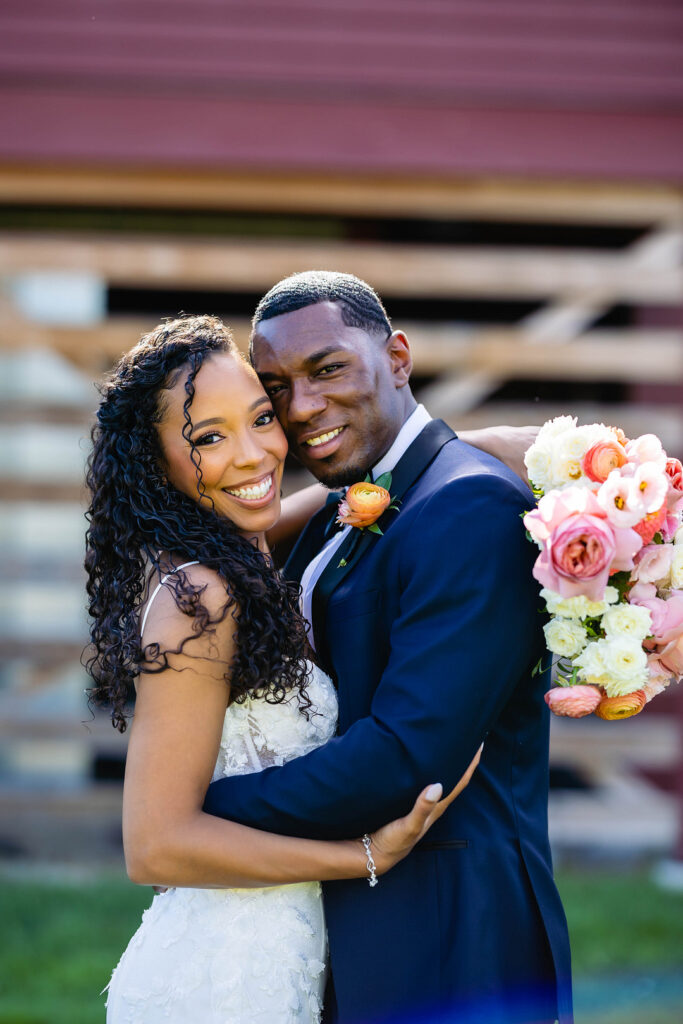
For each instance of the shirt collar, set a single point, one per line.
(414, 425)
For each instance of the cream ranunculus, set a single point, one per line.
(627, 620)
(565, 637)
(591, 663)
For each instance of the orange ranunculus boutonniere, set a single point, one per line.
(364, 503)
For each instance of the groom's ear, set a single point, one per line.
(398, 349)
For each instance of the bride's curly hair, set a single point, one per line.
(137, 520)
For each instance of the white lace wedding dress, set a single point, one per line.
(235, 956)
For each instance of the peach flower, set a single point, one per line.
(601, 459)
(651, 524)
(573, 701)
(614, 708)
(363, 505)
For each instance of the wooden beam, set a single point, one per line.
(630, 355)
(485, 198)
(395, 270)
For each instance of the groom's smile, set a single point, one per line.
(338, 391)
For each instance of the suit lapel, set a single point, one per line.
(412, 465)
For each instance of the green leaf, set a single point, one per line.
(341, 563)
(384, 481)
(368, 478)
(374, 528)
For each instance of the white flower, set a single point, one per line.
(553, 428)
(591, 663)
(627, 620)
(676, 577)
(537, 462)
(625, 664)
(678, 538)
(565, 637)
(647, 448)
(578, 607)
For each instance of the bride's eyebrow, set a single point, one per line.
(219, 419)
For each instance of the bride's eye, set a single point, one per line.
(205, 439)
(265, 418)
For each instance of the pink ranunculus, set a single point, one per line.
(601, 459)
(653, 563)
(573, 701)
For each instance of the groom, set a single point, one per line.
(430, 629)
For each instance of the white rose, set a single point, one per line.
(627, 620)
(591, 663)
(537, 462)
(565, 637)
(625, 666)
(553, 428)
(678, 538)
(676, 577)
(611, 595)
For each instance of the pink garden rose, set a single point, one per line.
(579, 546)
(573, 701)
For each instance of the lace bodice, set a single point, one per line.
(236, 956)
(257, 734)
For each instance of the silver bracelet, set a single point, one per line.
(371, 866)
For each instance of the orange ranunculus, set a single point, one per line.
(363, 505)
(614, 708)
(601, 459)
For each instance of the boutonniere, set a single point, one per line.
(364, 503)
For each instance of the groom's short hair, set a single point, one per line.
(359, 303)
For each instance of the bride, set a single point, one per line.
(190, 616)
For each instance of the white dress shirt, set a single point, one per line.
(414, 425)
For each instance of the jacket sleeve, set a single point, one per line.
(462, 641)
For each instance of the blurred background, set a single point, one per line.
(508, 174)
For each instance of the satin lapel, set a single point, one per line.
(412, 465)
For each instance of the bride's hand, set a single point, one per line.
(394, 841)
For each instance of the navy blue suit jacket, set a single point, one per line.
(431, 632)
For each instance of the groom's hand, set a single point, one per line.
(394, 841)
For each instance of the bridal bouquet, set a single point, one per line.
(608, 525)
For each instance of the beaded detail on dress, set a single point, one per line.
(236, 956)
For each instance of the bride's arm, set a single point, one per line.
(174, 741)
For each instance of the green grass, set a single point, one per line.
(61, 941)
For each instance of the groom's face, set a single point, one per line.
(335, 390)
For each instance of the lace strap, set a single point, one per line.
(158, 588)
